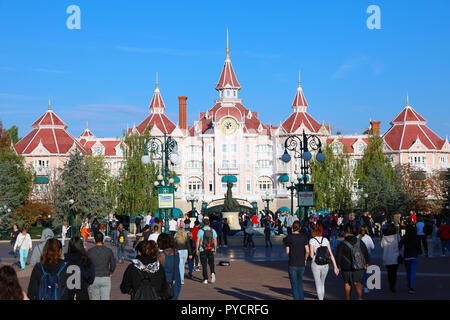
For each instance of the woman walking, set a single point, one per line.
(320, 259)
(412, 248)
(389, 244)
(367, 239)
(183, 245)
(64, 230)
(85, 230)
(51, 263)
(298, 251)
(14, 234)
(146, 265)
(77, 255)
(24, 244)
(170, 259)
(10, 288)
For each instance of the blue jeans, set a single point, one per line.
(445, 245)
(334, 241)
(410, 266)
(268, 241)
(23, 258)
(120, 251)
(296, 278)
(183, 257)
(250, 240)
(191, 266)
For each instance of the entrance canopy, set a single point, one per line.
(232, 179)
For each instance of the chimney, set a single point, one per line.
(182, 112)
(375, 128)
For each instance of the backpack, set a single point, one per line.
(428, 228)
(322, 254)
(357, 257)
(145, 291)
(208, 238)
(122, 237)
(50, 287)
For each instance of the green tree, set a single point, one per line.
(137, 192)
(99, 176)
(16, 180)
(379, 180)
(13, 134)
(332, 181)
(76, 182)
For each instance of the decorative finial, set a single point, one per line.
(299, 84)
(49, 104)
(228, 46)
(407, 99)
(156, 79)
(87, 127)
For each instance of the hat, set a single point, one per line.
(205, 218)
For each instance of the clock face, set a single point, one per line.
(228, 125)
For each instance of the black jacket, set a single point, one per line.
(135, 273)
(87, 271)
(344, 254)
(184, 246)
(36, 275)
(412, 248)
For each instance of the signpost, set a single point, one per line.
(306, 195)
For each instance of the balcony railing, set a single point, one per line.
(41, 171)
(231, 171)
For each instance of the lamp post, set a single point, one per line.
(192, 198)
(365, 201)
(267, 197)
(300, 147)
(71, 217)
(164, 150)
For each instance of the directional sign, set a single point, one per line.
(306, 195)
(166, 197)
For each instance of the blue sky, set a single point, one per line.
(105, 72)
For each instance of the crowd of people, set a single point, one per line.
(156, 271)
(402, 241)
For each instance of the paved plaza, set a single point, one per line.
(262, 274)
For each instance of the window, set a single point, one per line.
(264, 184)
(263, 164)
(337, 148)
(418, 161)
(193, 164)
(248, 164)
(443, 161)
(98, 151)
(210, 184)
(224, 187)
(224, 148)
(360, 148)
(210, 148)
(225, 164)
(248, 185)
(264, 148)
(247, 148)
(194, 185)
(209, 164)
(233, 147)
(41, 163)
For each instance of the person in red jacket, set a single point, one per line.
(194, 232)
(444, 234)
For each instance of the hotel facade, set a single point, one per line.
(230, 140)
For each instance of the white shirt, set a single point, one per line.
(147, 219)
(64, 230)
(315, 242)
(154, 236)
(173, 225)
(368, 242)
(23, 242)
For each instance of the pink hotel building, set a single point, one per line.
(229, 139)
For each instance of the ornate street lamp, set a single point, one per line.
(164, 150)
(192, 198)
(267, 197)
(300, 147)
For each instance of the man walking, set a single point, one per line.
(113, 228)
(421, 234)
(206, 247)
(352, 258)
(289, 222)
(103, 260)
(122, 241)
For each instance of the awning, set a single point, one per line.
(177, 213)
(229, 178)
(283, 209)
(41, 180)
(176, 179)
(283, 178)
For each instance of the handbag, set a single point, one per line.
(171, 284)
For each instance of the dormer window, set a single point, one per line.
(98, 151)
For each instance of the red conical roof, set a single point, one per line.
(299, 99)
(157, 101)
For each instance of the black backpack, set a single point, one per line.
(357, 257)
(208, 238)
(322, 254)
(145, 291)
